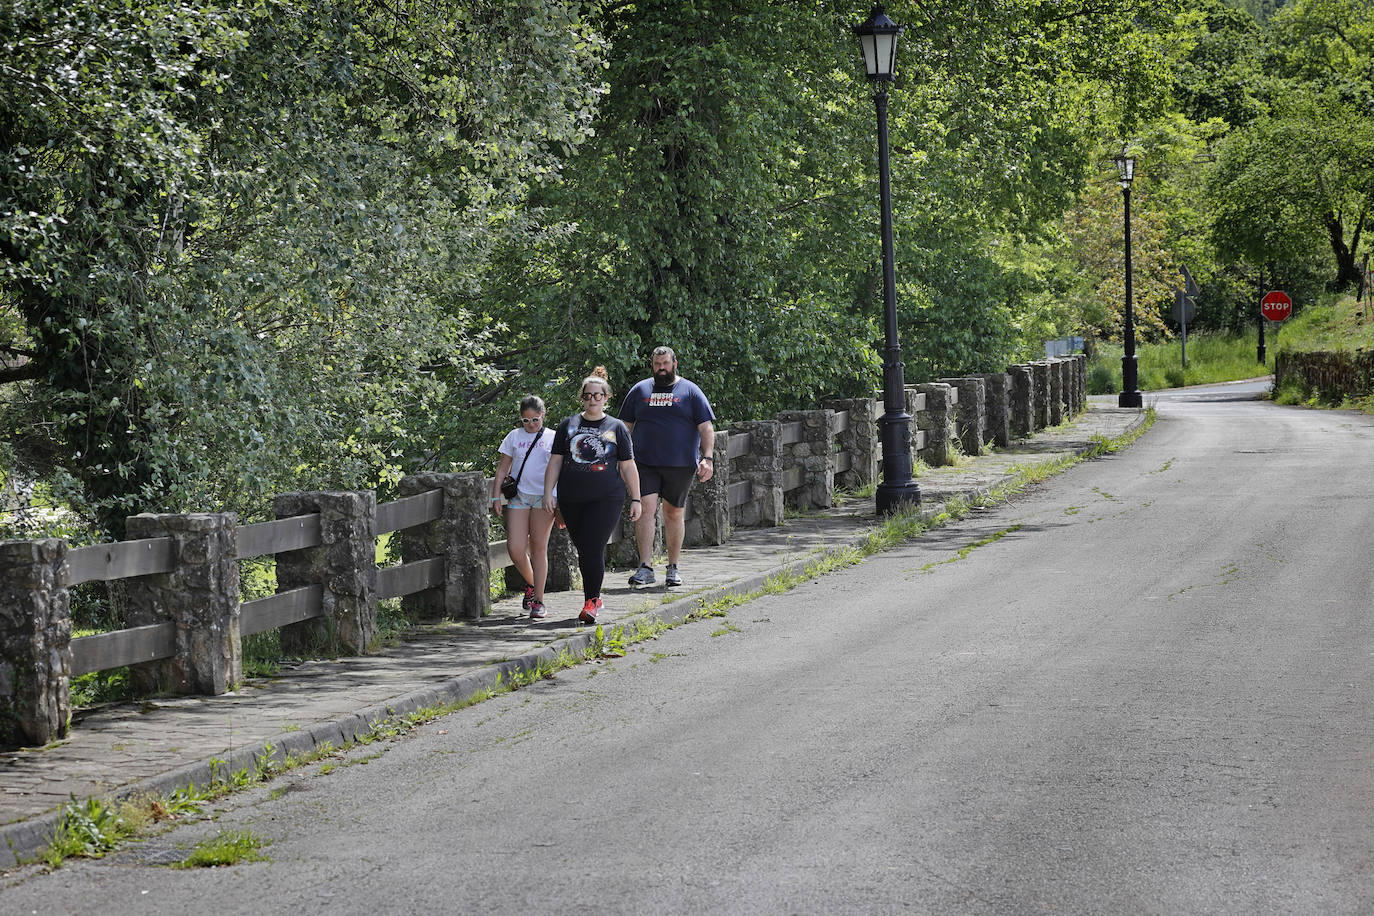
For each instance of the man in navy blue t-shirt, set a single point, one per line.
(671, 423)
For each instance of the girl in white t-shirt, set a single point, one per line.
(528, 523)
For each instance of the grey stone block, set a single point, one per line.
(35, 642)
(200, 596)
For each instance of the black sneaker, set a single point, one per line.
(672, 577)
(643, 576)
(529, 596)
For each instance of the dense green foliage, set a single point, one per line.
(248, 246)
(244, 246)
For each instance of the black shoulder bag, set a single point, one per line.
(510, 486)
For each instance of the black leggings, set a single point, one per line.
(590, 526)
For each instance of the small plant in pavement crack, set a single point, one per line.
(228, 847)
(87, 829)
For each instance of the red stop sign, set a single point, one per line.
(1276, 305)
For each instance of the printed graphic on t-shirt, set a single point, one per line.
(663, 399)
(591, 447)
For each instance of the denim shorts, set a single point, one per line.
(524, 500)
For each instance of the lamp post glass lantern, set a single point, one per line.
(878, 37)
(1130, 388)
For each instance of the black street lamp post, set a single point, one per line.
(878, 36)
(1130, 387)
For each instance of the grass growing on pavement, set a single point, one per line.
(970, 548)
(88, 829)
(228, 847)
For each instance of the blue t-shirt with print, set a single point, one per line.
(666, 418)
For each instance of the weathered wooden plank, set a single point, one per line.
(104, 651)
(792, 478)
(843, 462)
(410, 511)
(497, 551)
(267, 538)
(792, 432)
(741, 492)
(409, 578)
(841, 421)
(280, 609)
(120, 560)
(740, 444)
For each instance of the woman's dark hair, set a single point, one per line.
(532, 402)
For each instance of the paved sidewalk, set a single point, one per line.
(157, 746)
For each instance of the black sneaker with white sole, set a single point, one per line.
(672, 577)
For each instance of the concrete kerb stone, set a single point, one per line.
(25, 840)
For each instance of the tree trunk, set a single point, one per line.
(1347, 274)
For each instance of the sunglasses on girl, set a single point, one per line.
(593, 395)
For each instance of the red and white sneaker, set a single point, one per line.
(537, 611)
(529, 596)
(590, 610)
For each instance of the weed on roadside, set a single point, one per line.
(228, 847)
(88, 829)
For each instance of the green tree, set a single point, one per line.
(1287, 184)
(728, 202)
(242, 243)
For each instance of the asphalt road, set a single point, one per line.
(1143, 687)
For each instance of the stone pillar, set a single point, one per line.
(915, 407)
(460, 536)
(344, 566)
(860, 441)
(708, 505)
(562, 561)
(1080, 387)
(971, 413)
(623, 550)
(1066, 386)
(998, 393)
(1022, 400)
(937, 423)
(200, 596)
(1056, 376)
(814, 454)
(562, 564)
(1040, 394)
(762, 467)
(35, 642)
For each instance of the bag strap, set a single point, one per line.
(533, 442)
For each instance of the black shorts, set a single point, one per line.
(671, 483)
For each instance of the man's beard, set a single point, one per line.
(665, 377)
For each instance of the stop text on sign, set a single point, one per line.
(1276, 305)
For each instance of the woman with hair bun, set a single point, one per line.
(592, 466)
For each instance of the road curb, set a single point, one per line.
(24, 841)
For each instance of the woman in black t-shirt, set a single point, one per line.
(592, 463)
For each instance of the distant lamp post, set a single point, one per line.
(878, 36)
(1130, 388)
